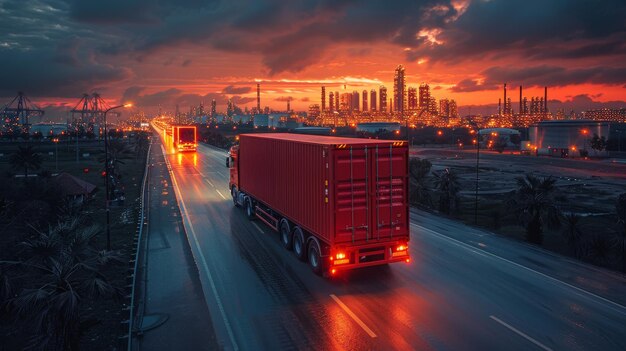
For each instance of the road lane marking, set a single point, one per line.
(581, 292)
(223, 197)
(218, 300)
(353, 316)
(259, 228)
(208, 181)
(510, 327)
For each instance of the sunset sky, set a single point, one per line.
(185, 52)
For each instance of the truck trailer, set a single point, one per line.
(338, 203)
(184, 138)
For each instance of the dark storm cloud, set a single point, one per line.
(469, 85)
(555, 76)
(542, 75)
(532, 29)
(171, 97)
(231, 89)
(64, 47)
(290, 35)
(46, 73)
(284, 98)
(43, 54)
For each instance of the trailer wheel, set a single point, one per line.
(285, 234)
(249, 209)
(314, 258)
(234, 193)
(298, 244)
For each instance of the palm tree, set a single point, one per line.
(447, 183)
(61, 269)
(573, 233)
(599, 247)
(25, 158)
(533, 201)
(141, 143)
(418, 171)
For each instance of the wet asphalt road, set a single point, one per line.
(464, 289)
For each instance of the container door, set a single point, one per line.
(389, 189)
(351, 194)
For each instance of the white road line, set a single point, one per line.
(259, 228)
(353, 316)
(521, 333)
(223, 197)
(208, 181)
(613, 305)
(218, 300)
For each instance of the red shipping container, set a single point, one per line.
(341, 190)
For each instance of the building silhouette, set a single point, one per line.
(399, 89)
(373, 100)
(382, 97)
(412, 99)
(364, 98)
(424, 97)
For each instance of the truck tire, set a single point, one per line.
(234, 193)
(285, 234)
(299, 249)
(249, 208)
(315, 260)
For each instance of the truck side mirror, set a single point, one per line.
(228, 162)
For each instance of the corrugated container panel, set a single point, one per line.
(289, 177)
(371, 194)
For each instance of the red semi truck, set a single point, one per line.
(184, 138)
(338, 203)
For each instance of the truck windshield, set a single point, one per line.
(186, 135)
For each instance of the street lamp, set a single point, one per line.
(106, 172)
(473, 124)
(56, 153)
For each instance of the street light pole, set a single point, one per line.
(56, 154)
(474, 125)
(106, 174)
(476, 191)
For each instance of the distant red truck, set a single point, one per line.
(340, 203)
(184, 138)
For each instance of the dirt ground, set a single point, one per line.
(586, 187)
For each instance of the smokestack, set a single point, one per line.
(505, 107)
(520, 100)
(258, 97)
(545, 99)
(288, 105)
(500, 107)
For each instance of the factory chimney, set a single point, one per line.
(521, 109)
(500, 107)
(545, 99)
(258, 97)
(505, 106)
